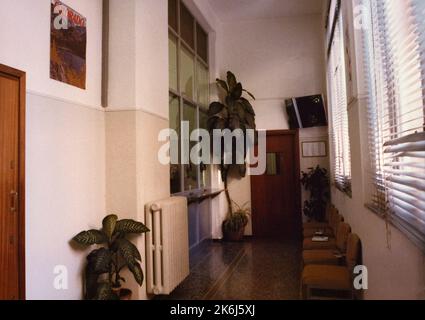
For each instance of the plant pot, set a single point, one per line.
(234, 236)
(123, 293)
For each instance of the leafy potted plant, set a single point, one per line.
(234, 225)
(316, 181)
(234, 112)
(102, 276)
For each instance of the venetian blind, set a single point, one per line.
(338, 109)
(395, 72)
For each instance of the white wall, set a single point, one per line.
(137, 110)
(65, 144)
(25, 45)
(275, 59)
(396, 267)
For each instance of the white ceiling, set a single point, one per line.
(231, 10)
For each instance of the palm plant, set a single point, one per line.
(235, 112)
(105, 264)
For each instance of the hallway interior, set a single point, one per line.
(257, 269)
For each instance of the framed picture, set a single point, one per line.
(68, 45)
(314, 149)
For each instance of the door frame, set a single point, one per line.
(21, 76)
(297, 172)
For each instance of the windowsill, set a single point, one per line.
(347, 193)
(199, 195)
(375, 210)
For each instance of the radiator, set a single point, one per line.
(167, 245)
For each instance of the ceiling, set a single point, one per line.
(231, 10)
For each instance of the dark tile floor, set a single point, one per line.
(253, 270)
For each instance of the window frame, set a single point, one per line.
(342, 181)
(387, 120)
(193, 101)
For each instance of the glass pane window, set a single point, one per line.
(205, 178)
(187, 73)
(172, 14)
(273, 164)
(190, 170)
(175, 169)
(172, 58)
(202, 42)
(187, 26)
(189, 90)
(203, 84)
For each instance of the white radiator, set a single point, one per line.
(167, 245)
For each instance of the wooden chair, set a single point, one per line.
(309, 244)
(314, 225)
(332, 279)
(329, 228)
(333, 256)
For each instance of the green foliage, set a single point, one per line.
(108, 261)
(316, 181)
(238, 219)
(235, 112)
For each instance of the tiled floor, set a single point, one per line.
(252, 270)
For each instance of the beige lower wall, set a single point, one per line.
(134, 175)
(397, 272)
(65, 190)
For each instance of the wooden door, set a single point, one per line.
(276, 194)
(12, 86)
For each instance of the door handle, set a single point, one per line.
(13, 201)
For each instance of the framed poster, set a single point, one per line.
(68, 45)
(314, 149)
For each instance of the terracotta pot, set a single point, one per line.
(123, 293)
(234, 236)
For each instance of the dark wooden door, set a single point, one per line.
(276, 194)
(10, 180)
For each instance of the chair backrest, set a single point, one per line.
(330, 211)
(344, 231)
(335, 221)
(353, 251)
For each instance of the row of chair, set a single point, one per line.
(328, 266)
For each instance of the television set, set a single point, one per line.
(306, 112)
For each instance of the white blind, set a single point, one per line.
(338, 110)
(395, 69)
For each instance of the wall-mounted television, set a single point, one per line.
(306, 112)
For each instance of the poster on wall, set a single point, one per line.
(68, 45)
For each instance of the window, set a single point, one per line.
(189, 87)
(395, 73)
(338, 109)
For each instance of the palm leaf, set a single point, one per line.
(108, 224)
(249, 93)
(137, 272)
(128, 251)
(231, 81)
(215, 108)
(99, 261)
(223, 84)
(130, 226)
(90, 237)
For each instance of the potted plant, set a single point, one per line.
(316, 181)
(234, 112)
(234, 225)
(102, 275)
